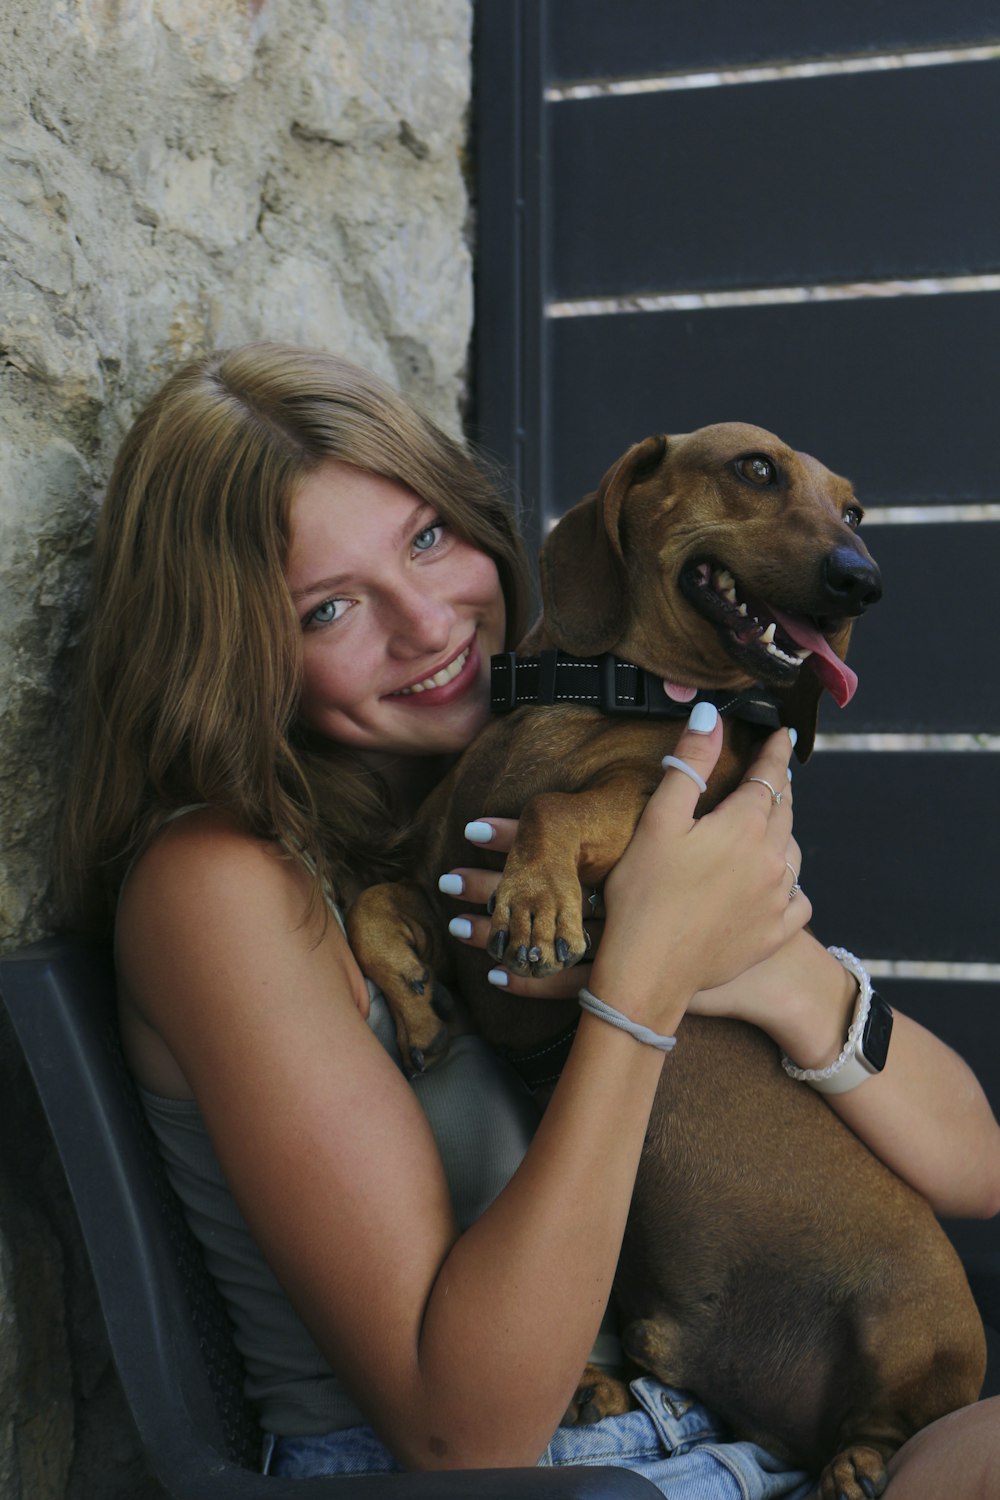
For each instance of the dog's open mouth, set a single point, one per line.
(771, 645)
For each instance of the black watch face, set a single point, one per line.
(878, 1030)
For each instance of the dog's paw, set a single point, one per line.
(857, 1473)
(597, 1396)
(390, 929)
(422, 1033)
(537, 927)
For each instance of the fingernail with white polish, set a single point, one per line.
(788, 773)
(451, 885)
(793, 735)
(703, 718)
(479, 833)
(460, 927)
(499, 977)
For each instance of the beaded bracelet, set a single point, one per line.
(614, 1017)
(853, 966)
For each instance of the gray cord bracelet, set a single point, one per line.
(614, 1017)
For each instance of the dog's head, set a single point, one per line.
(716, 559)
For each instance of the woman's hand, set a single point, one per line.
(692, 903)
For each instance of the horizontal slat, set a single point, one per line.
(926, 655)
(592, 39)
(967, 1017)
(896, 393)
(883, 174)
(899, 852)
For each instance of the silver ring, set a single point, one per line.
(775, 796)
(795, 882)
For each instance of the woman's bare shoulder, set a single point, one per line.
(200, 847)
(210, 921)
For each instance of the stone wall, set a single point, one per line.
(175, 175)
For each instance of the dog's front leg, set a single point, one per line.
(393, 933)
(564, 839)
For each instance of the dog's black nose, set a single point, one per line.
(852, 582)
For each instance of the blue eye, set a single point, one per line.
(327, 612)
(428, 536)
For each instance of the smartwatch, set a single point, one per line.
(869, 1055)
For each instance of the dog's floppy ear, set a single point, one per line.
(584, 591)
(799, 711)
(799, 707)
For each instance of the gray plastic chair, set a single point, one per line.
(167, 1327)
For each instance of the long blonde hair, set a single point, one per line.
(190, 671)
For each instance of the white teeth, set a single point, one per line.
(724, 580)
(729, 594)
(440, 678)
(773, 650)
(803, 652)
(768, 637)
(742, 610)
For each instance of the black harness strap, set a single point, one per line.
(542, 1065)
(611, 685)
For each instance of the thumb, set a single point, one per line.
(698, 750)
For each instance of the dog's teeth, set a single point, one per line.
(768, 635)
(742, 610)
(730, 595)
(803, 652)
(724, 580)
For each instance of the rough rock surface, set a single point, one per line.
(176, 175)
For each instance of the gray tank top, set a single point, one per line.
(482, 1118)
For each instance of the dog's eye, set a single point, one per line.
(757, 469)
(852, 515)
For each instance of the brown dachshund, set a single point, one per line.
(771, 1264)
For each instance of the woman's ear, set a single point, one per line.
(583, 570)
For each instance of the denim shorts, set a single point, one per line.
(671, 1439)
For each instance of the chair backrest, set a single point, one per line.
(168, 1329)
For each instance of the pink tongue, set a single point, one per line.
(835, 675)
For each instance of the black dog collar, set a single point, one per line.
(612, 685)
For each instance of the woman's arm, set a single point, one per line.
(924, 1114)
(463, 1350)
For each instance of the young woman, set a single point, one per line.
(298, 586)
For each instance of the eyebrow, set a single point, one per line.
(340, 580)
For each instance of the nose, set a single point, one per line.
(852, 581)
(420, 622)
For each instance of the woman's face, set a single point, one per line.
(399, 616)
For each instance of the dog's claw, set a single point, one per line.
(442, 1003)
(421, 1058)
(491, 903)
(497, 943)
(562, 950)
(868, 1488)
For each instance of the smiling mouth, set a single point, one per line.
(440, 679)
(768, 643)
